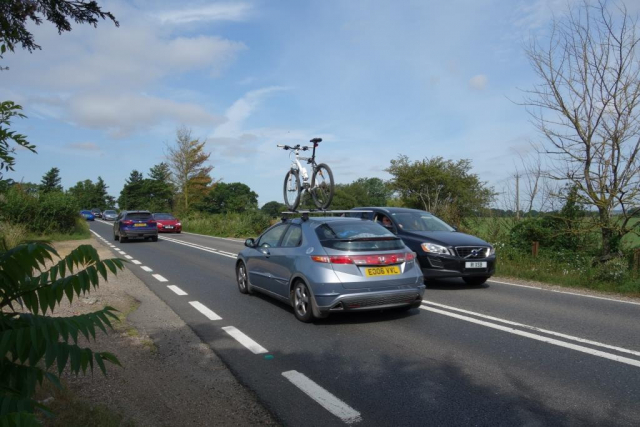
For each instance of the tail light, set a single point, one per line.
(151, 222)
(127, 222)
(373, 259)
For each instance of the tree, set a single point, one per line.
(9, 110)
(51, 181)
(233, 197)
(134, 177)
(142, 193)
(100, 195)
(84, 192)
(586, 107)
(443, 187)
(187, 160)
(37, 347)
(15, 14)
(361, 192)
(161, 172)
(273, 209)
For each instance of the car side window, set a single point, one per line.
(292, 238)
(272, 237)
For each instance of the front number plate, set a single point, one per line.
(381, 271)
(475, 264)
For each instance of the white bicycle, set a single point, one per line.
(321, 185)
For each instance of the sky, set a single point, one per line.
(374, 79)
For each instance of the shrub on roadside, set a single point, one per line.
(614, 270)
(40, 213)
(11, 235)
(244, 224)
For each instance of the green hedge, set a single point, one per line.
(248, 224)
(40, 213)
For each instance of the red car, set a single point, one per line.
(167, 223)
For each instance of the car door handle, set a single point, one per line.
(265, 252)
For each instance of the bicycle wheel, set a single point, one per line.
(292, 190)
(322, 186)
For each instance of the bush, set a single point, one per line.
(40, 213)
(227, 225)
(614, 270)
(11, 235)
(551, 231)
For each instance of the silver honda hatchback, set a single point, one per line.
(321, 265)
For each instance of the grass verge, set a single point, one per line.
(79, 232)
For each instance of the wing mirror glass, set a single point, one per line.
(250, 243)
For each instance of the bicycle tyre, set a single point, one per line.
(292, 204)
(323, 198)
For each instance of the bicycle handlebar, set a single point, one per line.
(295, 147)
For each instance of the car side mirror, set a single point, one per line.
(455, 228)
(250, 243)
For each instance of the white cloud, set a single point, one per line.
(121, 115)
(478, 82)
(206, 13)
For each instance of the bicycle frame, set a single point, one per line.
(296, 165)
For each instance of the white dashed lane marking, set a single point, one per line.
(147, 269)
(325, 399)
(250, 344)
(159, 278)
(128, 257)
(136, 262)
(204, 310)
(177, 290)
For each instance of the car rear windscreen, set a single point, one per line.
(110, 212)
(139, 216)
(163, 216)
(357, 236)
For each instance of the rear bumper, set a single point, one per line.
(131, 233)
(169, 230)
(437, 266)
(372, 300)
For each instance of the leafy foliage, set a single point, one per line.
(33, 344)
(40, 213)
(445, 188)
(51, 181)
(89, 195)
(233, 197)
(15, 14)
(273, 209)
(9, 110)
(361, 192)
(142, 193)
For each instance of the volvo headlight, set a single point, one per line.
(492, 250)
(432, 248)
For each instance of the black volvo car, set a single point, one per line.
(442, 250)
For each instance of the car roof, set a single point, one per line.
(321, 220)
(135, 212)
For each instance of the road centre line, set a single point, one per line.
(564, 292)
(202, 248)
(534, 328)
(243, 339)
(147, 269)
(216, 237)
(547, 340)
(204, 310)
(325, 399)
(177, 290)
(159, 278)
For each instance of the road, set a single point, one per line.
(495, 355)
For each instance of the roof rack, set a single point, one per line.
(305, 214)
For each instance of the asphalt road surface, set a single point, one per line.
(501, 354)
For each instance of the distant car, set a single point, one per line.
(109, 215)
(167, 223)
(87, 215)
(96, 212)
(442, 250)
(322, 265)
(135, 225)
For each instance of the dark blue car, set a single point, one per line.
(135, 225)
(87, 215)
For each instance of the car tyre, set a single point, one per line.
(154, 238)
(475, 281)
(123, 239)
(302, 302)
(115, 236)
(243, 279)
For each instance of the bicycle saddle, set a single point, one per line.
(316, 140)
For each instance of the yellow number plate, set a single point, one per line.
(140, 225)
(381, 271)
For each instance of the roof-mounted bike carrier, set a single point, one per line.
(305, 214)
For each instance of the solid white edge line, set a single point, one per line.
(136, 262)
(563, 292)
(205, 310)
(534, 328)
(325, 399)
(547, 340)
(243, 339)
(215, 237)
(145, 268)
(177, 290)
(159, 278)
